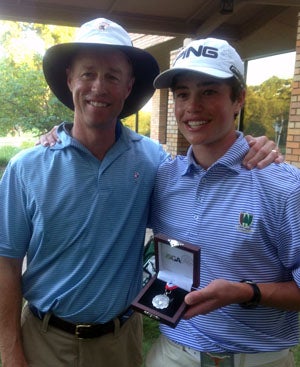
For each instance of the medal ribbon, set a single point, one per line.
(170, 287)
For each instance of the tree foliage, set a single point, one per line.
(266, 104)
(140, 122)
(27, 102)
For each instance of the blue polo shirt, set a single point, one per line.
(81, 222)
(247, 224)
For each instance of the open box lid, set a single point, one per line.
(177, 262)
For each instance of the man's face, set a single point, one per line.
(203, 108)
(100, 81)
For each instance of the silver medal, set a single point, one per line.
(161, 301)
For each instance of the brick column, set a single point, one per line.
(163, 123)
(159, 116)
(176, 142)
(293, 135)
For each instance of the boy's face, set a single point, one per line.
(204, 109)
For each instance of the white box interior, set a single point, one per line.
(176, 265)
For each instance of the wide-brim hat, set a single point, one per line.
(210, 56)
(97, 34)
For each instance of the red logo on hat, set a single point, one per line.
(103, 26)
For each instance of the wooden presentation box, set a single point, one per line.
(177, 264)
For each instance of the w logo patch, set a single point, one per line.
(246, 220)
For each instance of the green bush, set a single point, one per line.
(6, 152)
(151, 333)
(296, 351)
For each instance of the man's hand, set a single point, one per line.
(262, 152)
(49, 139)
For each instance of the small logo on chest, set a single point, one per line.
(246, 221)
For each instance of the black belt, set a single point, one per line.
(83, 330)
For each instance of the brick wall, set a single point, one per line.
(163, 122)
(293, 136)
(159, 116)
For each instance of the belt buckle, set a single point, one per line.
(79, 328)
(217, 359)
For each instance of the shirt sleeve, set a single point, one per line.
(15, 228)
(289, 234)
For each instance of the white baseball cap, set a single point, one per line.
(209, 56)
(101, 33)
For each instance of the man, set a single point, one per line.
(77, 211)
(247, 224)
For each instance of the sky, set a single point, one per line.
(282, 65)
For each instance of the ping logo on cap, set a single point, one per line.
(205, 51)
(209, 56)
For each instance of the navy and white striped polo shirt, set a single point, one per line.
(247, 223)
